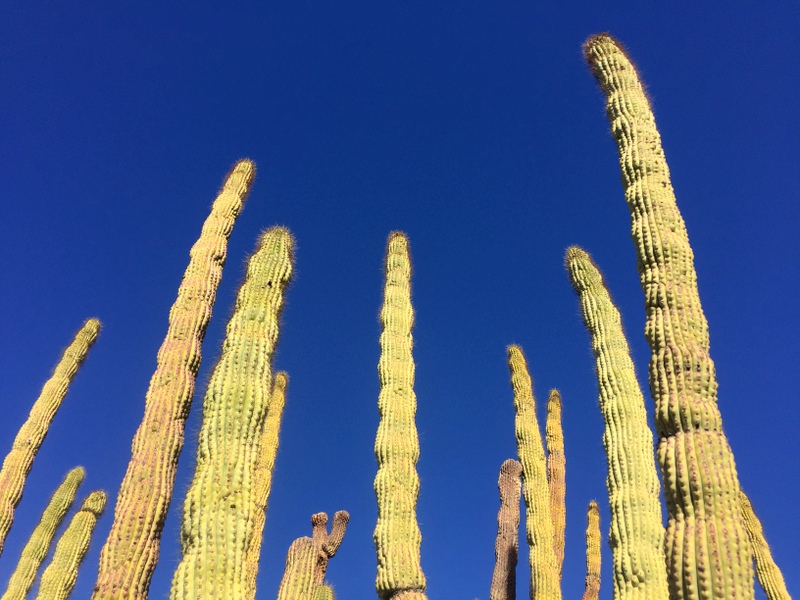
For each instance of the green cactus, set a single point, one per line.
(556, 476)
(544, 583)
(769, 575)
(592, 586)
(397, 535)
(707, 550)
(637, 532)
(61, 574)
(19, 460)
(221, 504)
(506, 546)
(130, 553)
(35, 551)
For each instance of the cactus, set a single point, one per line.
(61, 574)
(769, 575)
(637, 533)
(19, 460)
(35, 551)
(327, 543)
(130, 553)
(221, 505)
(556, 475)
(708, 553)
(397, 535)
(506, 546)
(592, 587)
(538, 523)
(324, 592)
(262, 476)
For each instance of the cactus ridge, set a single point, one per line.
(506, 546)
(592, 585)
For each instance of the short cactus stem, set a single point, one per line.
(397, 535)
(60, 576)
(545, 584)
(769, 575)
(221, 505)
(506, 546)
(324, 592)
(298, 576)
(35, 551)
(592, 587)
(707, 549)
(19, 460)
(556, 475)
(130, 554)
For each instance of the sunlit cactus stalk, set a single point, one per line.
(544, 583)
(324, 592)
(19, 460)
(262, 477)
(397, 535)
(637, 531)
(219, 513)
(130, 554)
(60, 576)
(708, 553)
(35, 551)
(556, 476)
(769, 575)
(591, 589)
(506, 545)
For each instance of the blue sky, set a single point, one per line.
(475, 129)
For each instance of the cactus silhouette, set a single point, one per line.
(19, 460)
(769, 575)
(556, 476)
(506, 546)
(592, 586)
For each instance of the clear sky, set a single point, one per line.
(476, 129)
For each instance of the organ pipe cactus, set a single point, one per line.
(707, 550)
(19, 460)
(60, 576)
(637, 533)
(35, 551)
(592, 585)
(769, 575)
(131, 551)
(556, 476)
(506, 546)
(397, 535)
(544, 583)
(220, 510)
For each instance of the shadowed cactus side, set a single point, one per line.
(592, 584)
(506, 546)
(769, 575)
(556, 476)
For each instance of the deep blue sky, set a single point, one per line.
(473, 127)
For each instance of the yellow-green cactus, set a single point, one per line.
(324, 592)
(708, 553)
(397, 535)
(637, 532)
(506, 545)
(61, 574)
(19, 460)
(556, 475)
(262, 477)
(131, 551)
(591, 589)
(35, 551)
(219, 513)
(545, 583)
(769, 575)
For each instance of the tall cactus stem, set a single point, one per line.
(544, 583)
(637, 532)
(506, 545)
(35, 551)
(592, 586)
(219, 513)
(708, 553)
(19, 460)
(556, 475)
(129, 556)
(397, 535)
(769, 575)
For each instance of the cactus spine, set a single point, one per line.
(19, 460)
(397, 535)
(556, 475)
(506, 546)
(61, 574)
(592, 586)
(35, 551)
(708, 553)
(221, 505)
(769, 575)
(130, 553)
(538, 523)
(637, 533)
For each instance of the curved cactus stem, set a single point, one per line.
(221, 505)
(327, 543)
(769, 575)
(592, 586)
(708, 553)
(506, 545)
(556, 476)
(19, 460)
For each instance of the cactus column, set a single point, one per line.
(708, 553)
(556, 476)
(506, 545)
(592, 586)
(397, 535)
(769, 575)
